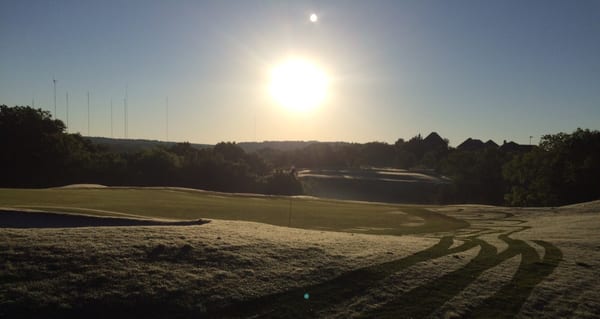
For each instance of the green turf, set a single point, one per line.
(306, 213)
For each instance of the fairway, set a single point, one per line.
(177, 203)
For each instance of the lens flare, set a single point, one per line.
(298, 85)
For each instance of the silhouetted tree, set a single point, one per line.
(35, 150)
(563, 170)
(477, 175)
(230, 151)
(378, 154)
(282, 183)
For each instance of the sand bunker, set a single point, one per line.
(83, 186)
(38, 219)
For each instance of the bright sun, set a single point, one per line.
(298, 85)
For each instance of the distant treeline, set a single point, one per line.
(36, 152)
(563, 169)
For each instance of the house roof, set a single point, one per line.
(471, 144)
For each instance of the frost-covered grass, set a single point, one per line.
(505, 262)
(166, 271)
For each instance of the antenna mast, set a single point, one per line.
(67, 109)
(125, 105)
(54, 84)
(167, 119)
(88, 100)
(111, 118)
(125, 118)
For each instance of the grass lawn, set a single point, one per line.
(296, 212)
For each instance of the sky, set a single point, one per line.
(501, 70)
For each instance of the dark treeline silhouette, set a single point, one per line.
(37, 152)
(564, 169)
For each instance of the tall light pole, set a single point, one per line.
(111, 118)
(88, 115)
(167, 119)
(125, 118)
(67, 109)
(125, 106)
(54, 84)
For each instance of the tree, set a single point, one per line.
(35, 149)
(230, 151)
(378, 154)
(156, 166)
(477, 175)
(562, 170)
(282, 183)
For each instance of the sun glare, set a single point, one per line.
(298, 85)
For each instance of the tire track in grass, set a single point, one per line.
(425, 299)
(292, 304)
(505, 303)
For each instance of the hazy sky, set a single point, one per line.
(484, 69)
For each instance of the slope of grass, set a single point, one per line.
(296, 212)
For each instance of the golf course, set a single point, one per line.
(185, 253)
(299, 159)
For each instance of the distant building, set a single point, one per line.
(514, 147)
(471, 144)
(434, 141)
(491, 144)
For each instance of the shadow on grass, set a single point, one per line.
(20, 219)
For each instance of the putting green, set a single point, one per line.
(176, 203)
